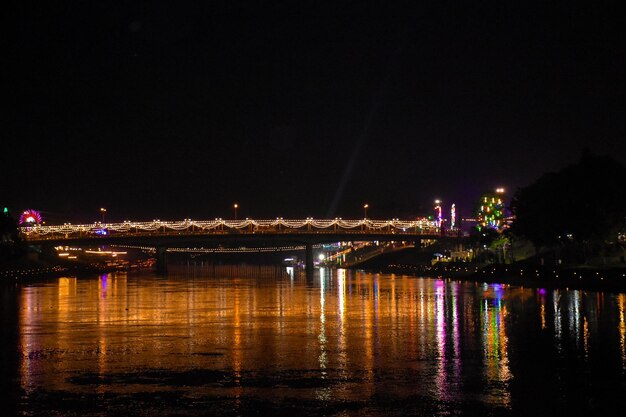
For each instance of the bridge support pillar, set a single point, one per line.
(308, 255)
(161, 259)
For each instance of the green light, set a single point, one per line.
(6, 210)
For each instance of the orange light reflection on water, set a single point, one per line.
(362, 331)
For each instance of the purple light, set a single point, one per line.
(102, 232)
(103, 279)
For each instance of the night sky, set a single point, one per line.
(160, 110)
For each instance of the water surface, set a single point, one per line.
(241, 340)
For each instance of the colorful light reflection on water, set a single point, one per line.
(338, 341)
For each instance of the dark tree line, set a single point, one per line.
(583, 204)
(10, 243)
(8, 227)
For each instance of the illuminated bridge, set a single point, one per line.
(166, 234)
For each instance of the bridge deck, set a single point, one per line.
(189, 230)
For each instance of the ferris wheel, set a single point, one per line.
(31, 217)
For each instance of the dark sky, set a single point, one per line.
(161, 110)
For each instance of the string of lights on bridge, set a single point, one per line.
(278, 225)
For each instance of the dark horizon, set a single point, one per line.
(166, 111)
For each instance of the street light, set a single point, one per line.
(103, 211)
(235, 206)
(365, 206)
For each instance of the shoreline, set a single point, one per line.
(26, 271)
(55, 271)
(610, 278)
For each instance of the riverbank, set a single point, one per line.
(529, 272)
(29, 270)
(597, 278)
(24, 269)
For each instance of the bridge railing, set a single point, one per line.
(220, 226)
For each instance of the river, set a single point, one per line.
(253, 340)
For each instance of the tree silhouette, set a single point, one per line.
(8, 228)
(584, 203)
(10, 243)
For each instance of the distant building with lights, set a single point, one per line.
(490, 213)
